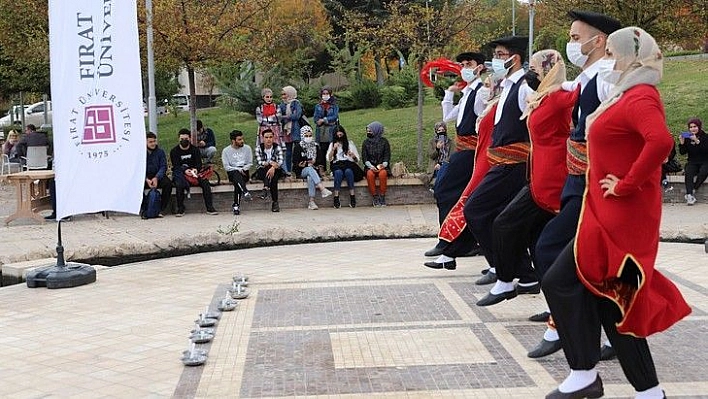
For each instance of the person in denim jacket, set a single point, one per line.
(291, 110)
(326, 119)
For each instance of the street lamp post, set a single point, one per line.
(513, 17)
(152, 103)
(532, 13)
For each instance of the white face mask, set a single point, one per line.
(468, 74)
(325, 97)
(574, 52)
(499, 67)
(307, 139)
(607, 71)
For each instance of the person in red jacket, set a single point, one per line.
(606, 276)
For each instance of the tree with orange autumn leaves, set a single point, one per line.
(196, 34)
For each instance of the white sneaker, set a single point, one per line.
(326, 193)
(312, 206)
(690, 199)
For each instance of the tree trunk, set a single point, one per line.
(192, 103)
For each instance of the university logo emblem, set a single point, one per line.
(99, 125)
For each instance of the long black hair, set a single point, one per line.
(344, 140)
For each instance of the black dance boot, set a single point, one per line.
(352, 201)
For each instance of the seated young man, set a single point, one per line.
(269, 158)
(237, 159)
(156, 174)
(185, 159)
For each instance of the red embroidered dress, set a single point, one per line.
(629, 140)
(455, 221)
(549, 129)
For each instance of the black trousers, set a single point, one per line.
(448, 192)
(561, 229)
(272, 183)
(494, 193)
(695, 175)
(578, 315)
(182, 185)
(515, 232)
(239, 181)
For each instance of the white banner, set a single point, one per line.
(98, 125)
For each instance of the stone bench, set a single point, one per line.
(407, 190)
(676, 195)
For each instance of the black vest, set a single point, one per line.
(468, 124)
(587, 103)
(510, 129)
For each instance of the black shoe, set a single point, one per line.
(236, 209)
(488, 278)
(531, 289)
(275, 207)
(476, 251)
(435, 251)
(485, 271)
(540, 317)
(492, 299)
(594, 390)
(247, 196)
(545, 348)
(449, 265)
(336, 202)
(264, 194)
(607, 353)
(352, 201)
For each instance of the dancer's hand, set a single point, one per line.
(608, 184)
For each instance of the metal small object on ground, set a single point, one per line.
(227, 305)
(239, 292)
(193, 356)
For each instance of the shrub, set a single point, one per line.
(407, 77)
(365, 94)
(394, 97)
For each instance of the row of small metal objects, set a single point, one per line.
(204, 331)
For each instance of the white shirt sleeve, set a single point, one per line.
(482, 94)
(524, 92)
(448, 109)
(603, 89)
(571, 85)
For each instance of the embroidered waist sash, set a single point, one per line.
(509, 154)
(577, 157)
(463, 143)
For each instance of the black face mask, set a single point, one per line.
(369, 135)
(532, 79)
(184, 143)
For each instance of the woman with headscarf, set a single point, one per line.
(439, 149)
(376, 154)
(291, 111)
(304, 163)
(326, 117)
(268, 117)
(695, 144)
(606, 276)
(343, 158)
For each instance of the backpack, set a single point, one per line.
(153, 204)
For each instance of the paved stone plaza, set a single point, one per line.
(349, 319)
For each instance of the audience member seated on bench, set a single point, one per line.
(376, 155)
(305, 162)
(237, 160)
(269, 158)
(206, 141)
(343, 156)
(186, 159)
(156, 174)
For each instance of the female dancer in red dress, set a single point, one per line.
(606, 276)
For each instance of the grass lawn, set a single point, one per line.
(683, 90)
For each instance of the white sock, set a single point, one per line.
(607, 343)
(650, 393)
(493, 270)
(551, 335)
(443, 258)
(500, 287)
(577, 380)
(528, 284)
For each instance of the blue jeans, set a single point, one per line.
(339, 175)
(439, 175)
(313, 179)
(287, 166)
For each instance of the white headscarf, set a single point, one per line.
(551, 74)
(638, 56)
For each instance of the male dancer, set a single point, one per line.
(454, 178)
(588, 36)
(518, 227)
(507, 153)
